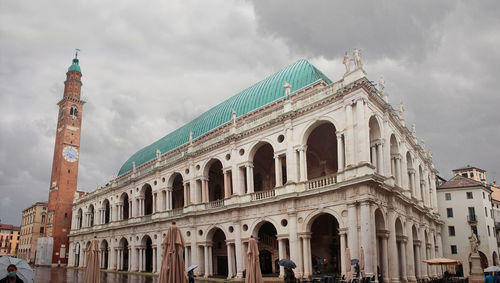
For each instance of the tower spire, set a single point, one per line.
(75, 65)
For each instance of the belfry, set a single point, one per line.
(64, 175)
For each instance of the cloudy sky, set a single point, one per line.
(149, 68)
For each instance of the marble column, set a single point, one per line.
(385, 258)
(306, 241)
(277, 171)
(342, 263)
(380, 160)
(418, 268)
(303, 163)
(281, 255)
(340, 152)
(210, 261)
(155, 198)
(352, 236)
(227, 184)
(403, 258)
(349, 136)
(292, 224)
(240, 254)
(230, 258)
(409, 252)
(249, 168)
(130, 258)
(154, 259)
(362, 133)
(392, 245)
(373, 149)
(398, 171)
(423, 254)
(207, 264)
(367, 237)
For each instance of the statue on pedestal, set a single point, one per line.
(474, 245)
(401, 110)
(287, 87)
(346, 63)
(381, 85)
(357, 59)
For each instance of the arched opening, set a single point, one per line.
(123, 255)
(381, 232)
(395, 160)
(325, 245)
(124, 202)
(177, 191)
(376, 157)
(91, 216)
(87, 247)
(215, 180)
(400, 247)
(416, 250)
(495, 258)
(147, 194)
(268, 248)
(107, 211)
(322, 151)
(484, 260)
(104, 254)
(77, 254)
(263, 168)
(79, 218)
(219, 254)
(147, 254)
(410, 173)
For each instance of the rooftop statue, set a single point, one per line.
(346, 63)
(357, 58)
(422, 142)
(233, 117)
(287, 87)
(191, 137)
(413, 130)
(401, 110)
(381, 84)
(158, 153)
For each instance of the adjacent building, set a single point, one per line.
(312, 168)
(9, 239)
(471, 172)
(32, 227)
(465, 206)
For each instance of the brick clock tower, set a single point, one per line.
(64, 176)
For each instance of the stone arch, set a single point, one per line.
(257, 224)
(210, 231)
(309, 219)
(104, 248)
(79, 218)
(262, 157)
(321, 140)
(219, 261)
(216, 183)
(209, 162)
(106, 207)
(78, 251)
(376, 155)
(495, 258)
(91, 213)
(266, 232)
(254, 147)
(314, 124)
(400, 248)
(124, 205)
(381, 233)
(176, 182)
(325, 243)
(123, 263)
(146, 196)
(146, 253)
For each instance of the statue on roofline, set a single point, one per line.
(381, 84)
(357, 59)
(401, 110)
(346, 63)
(287, 87)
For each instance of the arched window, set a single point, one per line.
(73, 112)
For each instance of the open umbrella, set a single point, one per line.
(172, 265)
(24, 271)
(192, 267)
(287, 263)
(253, 275)
(492, 269)
(92, 271)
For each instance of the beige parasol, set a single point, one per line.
(92, 271)
(442, 261)
(172, 265)
(253, 274)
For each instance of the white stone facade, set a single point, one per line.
(371, 183)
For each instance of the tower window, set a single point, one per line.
(73, 112)
(62, 113)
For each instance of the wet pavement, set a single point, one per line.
(70, 275)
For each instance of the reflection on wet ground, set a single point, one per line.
(63, 275)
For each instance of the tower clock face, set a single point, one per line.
(70, 154)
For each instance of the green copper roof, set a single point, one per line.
(299, 75)
(75, 66)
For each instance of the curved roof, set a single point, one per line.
(299, 75)
(75, 66)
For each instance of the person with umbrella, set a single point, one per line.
(289, 265)
(172, 265)
(11, 276)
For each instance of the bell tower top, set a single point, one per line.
(75, 66)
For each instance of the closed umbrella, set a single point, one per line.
(347, 265)
(24, 271)
(253, 274)
(172, 265)
(92, 271)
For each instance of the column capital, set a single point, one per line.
(305, 235)
(395, 155)
(301, 147)
(383, 233)
(343, 231)
(203, 178)
(282, 236)
(401, 238)
(411, 171)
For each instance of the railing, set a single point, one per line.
(177, 211)
(215, 204)
(263, 194)
(321, 182)
(471, 218)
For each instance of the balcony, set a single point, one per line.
(215, 204)
(321, 182)
(263, 194)
(472, 219)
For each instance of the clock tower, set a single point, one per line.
(64, 176)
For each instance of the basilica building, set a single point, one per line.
(322, 172)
